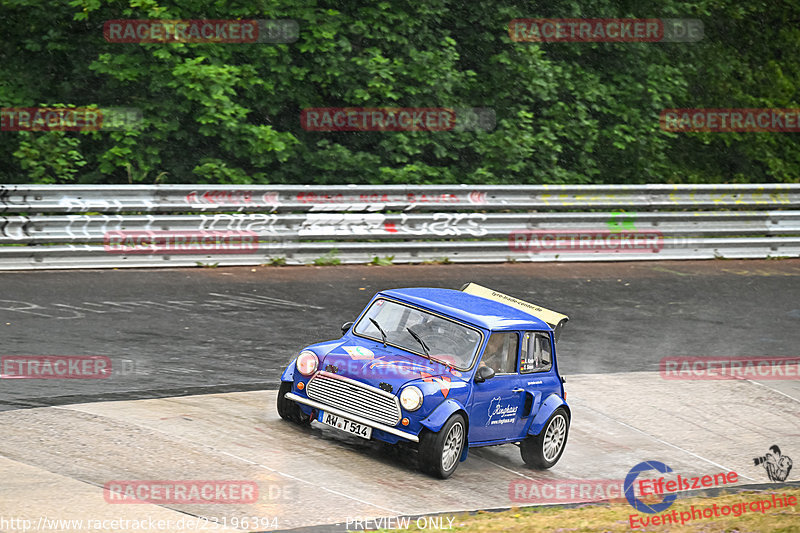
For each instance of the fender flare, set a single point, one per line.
(441, 414)
(288, 374)
(553, 402)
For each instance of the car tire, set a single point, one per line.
(440, 452)
(544, 450)
(287, 409)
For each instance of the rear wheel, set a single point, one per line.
(545, 449)
(289, 410)
(440, 452)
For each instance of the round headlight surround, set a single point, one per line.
(411, 398)
(307, 362)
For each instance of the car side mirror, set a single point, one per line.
(346, 326)
(484, 373)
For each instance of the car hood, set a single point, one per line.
(384, 367)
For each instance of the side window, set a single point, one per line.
(501, 352)
(536, 353)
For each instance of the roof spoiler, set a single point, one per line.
(553, 319)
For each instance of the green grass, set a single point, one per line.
(615, 517)
(377, 261)
(328, 259)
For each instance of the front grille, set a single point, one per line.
(354, 397)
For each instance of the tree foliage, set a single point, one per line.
(565, 112)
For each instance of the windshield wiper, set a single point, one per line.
(421, 342)
(383, 333)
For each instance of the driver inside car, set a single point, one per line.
(497, 355)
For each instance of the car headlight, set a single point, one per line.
(307, 362)
(411, 398)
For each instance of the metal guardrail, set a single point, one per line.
(75, 226)
(282, 198)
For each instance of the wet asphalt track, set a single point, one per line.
(173, 333)
(194, 331)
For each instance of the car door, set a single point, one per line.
(536, 371)
(497, 403)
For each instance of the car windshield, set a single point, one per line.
(447, 341)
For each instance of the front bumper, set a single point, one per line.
(355, 418)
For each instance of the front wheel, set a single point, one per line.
(545, 449)
(440, 452)
(288, 409)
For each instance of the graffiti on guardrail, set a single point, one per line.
(67, 226)
(109, 228)
(621, 221)
(20, 198)
(75, 227)
(90, 227)
(69, 204)
(331, 224)
(442, 225)
(259, 223)
(15, 228)
(252, 199)
(328, 224)
(378, 201)
(233, 197)
(439, 224)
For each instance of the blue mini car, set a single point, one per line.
(442, 369)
